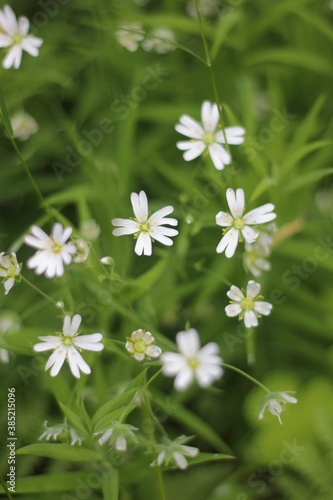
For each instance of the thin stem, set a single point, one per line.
(38, 290)
(212, 76)
(148, 413)
(246, 375)
(250, 347)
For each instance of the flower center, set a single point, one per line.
(67, 340)
(56, 248)
(193, 363)
(17, 39)
(247, 304)
(139, 346)
(208, 138)
(145, 227)
(238, 223)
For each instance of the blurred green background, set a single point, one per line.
(273, 67)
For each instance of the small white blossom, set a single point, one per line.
(53, 251)
(63, 433)
(275, 403)
(237, 225)
(10, 270)
(107, 260)
(90, 229)
(67, 345)
(162, 40)
(129, 36)
(247, 305)
(14, 37)
(254, 257)
(174, 453)
(146, 228)
(192, 363)
(23, 125)
(117, 435)
(208, 137)
(82, 251)
(140, 345)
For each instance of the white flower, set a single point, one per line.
(140, 345)
(90, 229)
(23, 125)
(129, 36)
(67, 345)
(275, 403)
(118, 435)
(14, 36)
(246, 305)
(62, 432)
(162, 40)
(53, 251)
(10, 270)
(254, 256)
(174, 452)
(144, 227)
(82, 251)
(238, 224)
(207, 136)
(193, 363)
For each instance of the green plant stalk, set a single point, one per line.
(250, 347)
(148, 414)
(246, 375)
(38, 290)
(212, 76)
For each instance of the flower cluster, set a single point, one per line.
(131, 36)
(10, 270)
(15, 38)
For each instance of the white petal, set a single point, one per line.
(60, 266)
(188, 342)
(76, 362)
(31, 45)
(223, 219)
(205, 377)
(196, 149)
(228, 243)
(209, 350)
(121, 444)
(5, 40)
(180, 460)
(288, 399)
(13, 58)
(143, 244)
(209, 116)
(129, 227)
(189, 127)
(8, 285)
(49, 342)
(8, 20)
(76, 322)
(140, 206)
(252, 289)
(219, 156)
(190, 450)
(233, 310)
(263, 307)
(249, 234)
(57, 360)
(235, 294)
(172, 363)
(234, 135)
(183, 379)
(89, 342)
(161, 234)
(160, 214)
(260, 215)
(66, 325)
(153, 351)
(23, 25)
(250, 319)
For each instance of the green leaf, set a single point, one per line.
(292, 160)
(61, 452)
(194, 423)
(308, 178)
(226, 24)
(74, 419)
(261, 187)
(47, 483)
(121, 401)
(209, 457)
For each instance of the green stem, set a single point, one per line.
(246, 375)
(38, 290)
(148, 414)
(212, 76)
(250, 347)
(2, 481)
